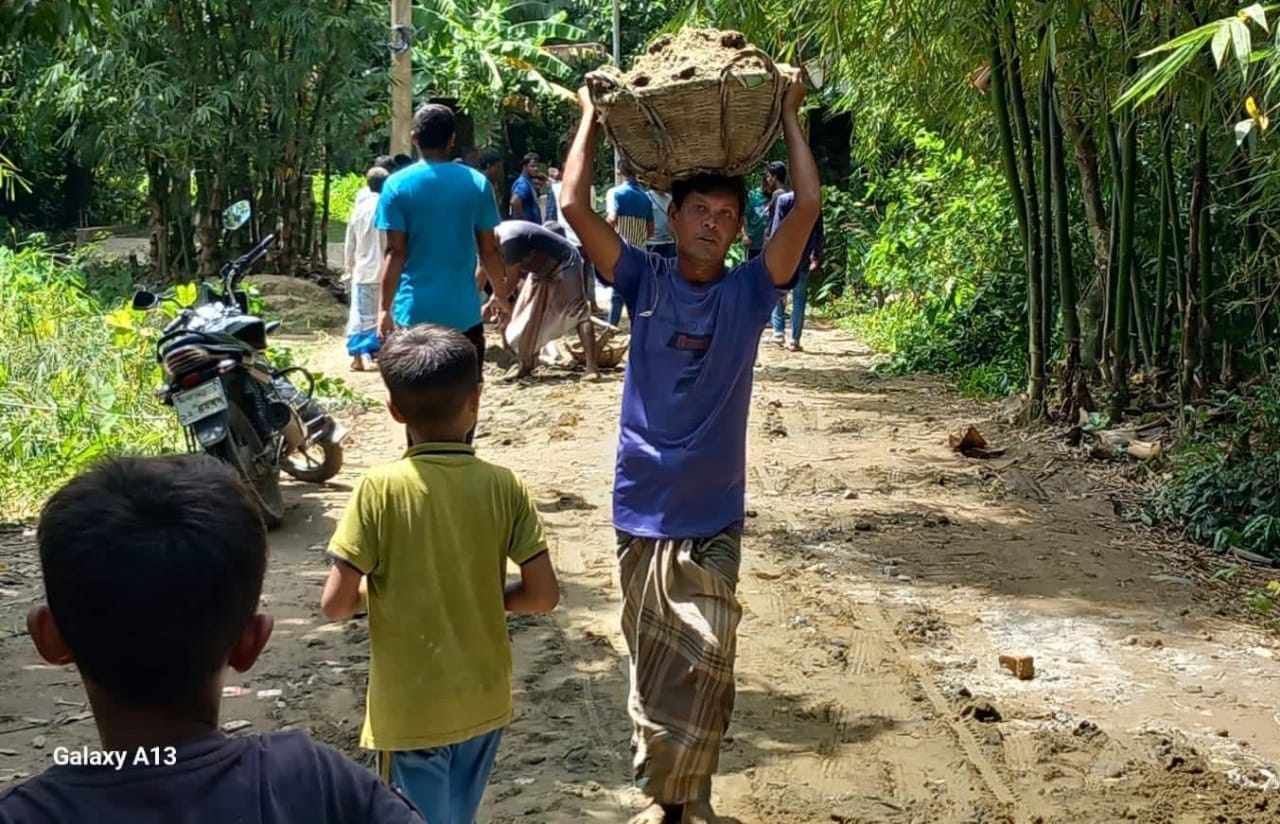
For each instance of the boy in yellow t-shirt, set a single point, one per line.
(430, 535)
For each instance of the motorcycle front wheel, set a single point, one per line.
(262, 476)
(308, 466)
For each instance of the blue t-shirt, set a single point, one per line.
(523, 189)
(440, 207)
(682, 450)
(633, 209)
(782, 206)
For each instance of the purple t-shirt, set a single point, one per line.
(682, 451)
(278, 778)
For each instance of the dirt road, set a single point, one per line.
(883, 576)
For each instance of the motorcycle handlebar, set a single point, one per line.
(245, 261)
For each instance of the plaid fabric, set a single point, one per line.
(680, 618)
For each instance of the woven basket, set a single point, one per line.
(677, 130)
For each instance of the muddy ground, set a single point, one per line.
(883, 576)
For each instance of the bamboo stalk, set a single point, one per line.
(1047, 222)
(1035, 350)
(1124, 277)
(1004, 127)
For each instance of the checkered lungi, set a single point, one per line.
(680, 617)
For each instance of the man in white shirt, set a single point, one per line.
(362, 264)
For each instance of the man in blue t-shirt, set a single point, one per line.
(809, 263)
(681, 466)
(524, 194)
(629, 211)
(438, 217)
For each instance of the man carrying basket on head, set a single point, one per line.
(681, 467)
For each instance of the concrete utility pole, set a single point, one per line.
(401, 76)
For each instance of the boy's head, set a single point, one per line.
(491, 162)
(152, 572)
(706, 214)
(433, 376)
(374, 178)
(434, 128)
(775, 176)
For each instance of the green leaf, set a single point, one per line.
(1243, 129)
(1257, 14)
(186, 294)
(1242, 39)
(1220, 42)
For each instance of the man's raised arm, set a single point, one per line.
(602, 244)
(783, 251)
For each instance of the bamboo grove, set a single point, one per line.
(1143, 202)
(1171, 301)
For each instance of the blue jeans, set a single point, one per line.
(447, 783)
(797, 309)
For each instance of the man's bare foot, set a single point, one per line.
(699, 812)
(357, 364)
(653, 814)
(592, 377)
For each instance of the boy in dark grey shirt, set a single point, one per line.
(152, 570)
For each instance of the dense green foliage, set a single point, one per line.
(1222, 490)
(938, 289)
(77, 377)
(342, 194)
(78, 373)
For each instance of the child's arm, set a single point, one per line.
(344, 590)
(537, 591)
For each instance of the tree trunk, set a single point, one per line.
(1208, 367)
(1075, 388)
(1036, 358)
(209, 205)
(1046, 221)
(158, 212)
(1004, 127)
(1124, 277)
(323, 246)
(1192, 353)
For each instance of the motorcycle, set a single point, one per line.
(231, 401)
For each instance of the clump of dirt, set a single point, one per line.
(923, 626)
(303, 305)
(693, 55)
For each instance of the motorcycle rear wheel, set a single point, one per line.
(238, 450)
(303, 464)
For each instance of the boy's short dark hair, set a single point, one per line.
(374, 178)
(430, 372)
(152, 569)
(400, 161)
(531, 157)
(706, 184)
(778, 169)
(385, 162)
(433, 126)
